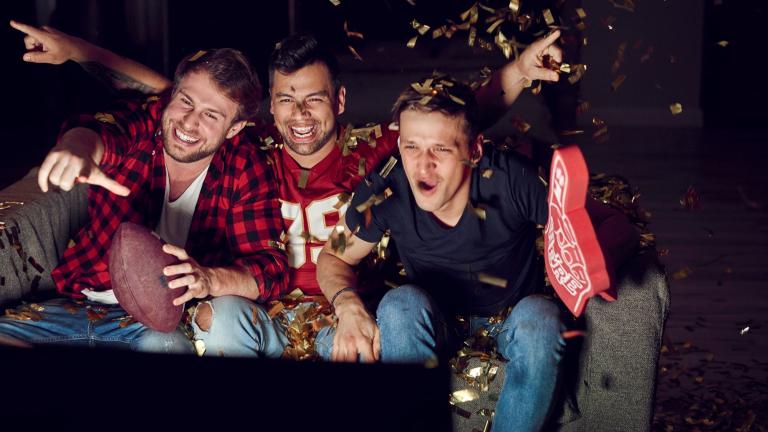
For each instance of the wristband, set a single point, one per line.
(333, 299)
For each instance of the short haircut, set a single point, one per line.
(300, 50)
(233, 74)
(440, 93)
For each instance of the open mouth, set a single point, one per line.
(303, 132)
(185, 138)
(427, 186)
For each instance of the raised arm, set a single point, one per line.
(508, 82)
(48, 45)
(357, 332)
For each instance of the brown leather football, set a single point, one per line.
(136, 262)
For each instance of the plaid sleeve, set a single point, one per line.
(128, 123)
(254, 226)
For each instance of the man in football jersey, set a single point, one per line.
(317, 162)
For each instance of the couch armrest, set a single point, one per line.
(615, 387)
(34, 234)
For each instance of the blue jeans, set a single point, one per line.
(414, 331)
(412, 328)
(64, 322)
(241, 328)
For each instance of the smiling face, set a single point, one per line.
(436, 153)
(305, 106)
(198, 119)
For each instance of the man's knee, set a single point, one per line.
(225, 310)
(407, 301)
(535, 327)
(204, 316)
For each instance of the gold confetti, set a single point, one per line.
(303, 178)
(521, 125)
(465, 395)
(335, 2)
(548, 18)
(276, 244)
(676, 108)
(690, 199)
(619, 60)
(682, 273)
(24, 313)
(627, 5)
(105, 118)
(581, 14)
(514, 6)
(95, 313)
(744, 330)
(343, 199)
(374, 200)
(492, 280)
(486, 173)
(200, 347)
(361, 167)
(617, 82)
(197, 55)
(723, 43)
(577, 71)
(387, 168)
(412, 42)
(273, 310)
(421, 28)
(339, 241)
(572, 132)
(354, 52)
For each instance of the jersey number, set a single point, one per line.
(316, 228)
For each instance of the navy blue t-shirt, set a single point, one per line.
(447, 261)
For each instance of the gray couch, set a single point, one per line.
(609, 375)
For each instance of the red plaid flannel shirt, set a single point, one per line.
(237, 219)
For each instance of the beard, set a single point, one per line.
(309, 148)
(184, 155)
(180, 155)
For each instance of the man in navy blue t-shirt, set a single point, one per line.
(461, 214)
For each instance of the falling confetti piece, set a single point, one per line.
(690, 200)
(465, 395)
(676, 108)
(744, 330)
(617, 82)
(682, 273)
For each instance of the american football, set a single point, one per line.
(136, 262)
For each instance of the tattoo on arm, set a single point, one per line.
(115, 79)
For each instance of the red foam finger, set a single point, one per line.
(575, 263)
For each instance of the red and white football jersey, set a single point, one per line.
(314, 200)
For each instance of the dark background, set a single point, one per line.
(720, 87)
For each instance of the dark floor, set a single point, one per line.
(714, 365)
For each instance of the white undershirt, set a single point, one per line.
(175, 219)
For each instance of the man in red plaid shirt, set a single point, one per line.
(178, 165)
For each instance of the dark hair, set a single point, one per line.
(231, 71)
(440, 93)
(298, 51)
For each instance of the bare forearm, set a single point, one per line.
(333, 275)
(120, 72)
(500, 93)
(233, 281)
